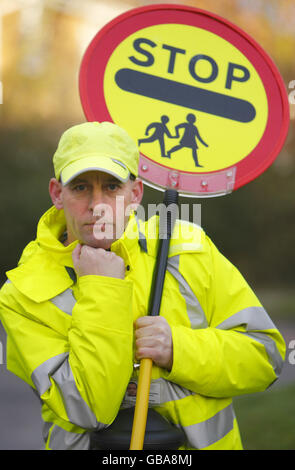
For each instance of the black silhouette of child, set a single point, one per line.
(160, 130)
(189, 138)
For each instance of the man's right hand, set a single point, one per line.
(97, 261)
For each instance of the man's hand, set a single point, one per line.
(154, 340)
(97, 261)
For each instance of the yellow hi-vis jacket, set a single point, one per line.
(72, 340)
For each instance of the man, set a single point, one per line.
(75, 309)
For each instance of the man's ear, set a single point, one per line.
(55, 191)
(137, 191)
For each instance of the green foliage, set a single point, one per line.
(25, 171)
(267, 420)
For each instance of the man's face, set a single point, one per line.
(95, 206)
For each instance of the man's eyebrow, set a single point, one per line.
(77, 180)
(110, 179)
(113, 180)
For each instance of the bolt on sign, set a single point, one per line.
(205, 103)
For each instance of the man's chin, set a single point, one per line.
(95, 238)
(97, 243)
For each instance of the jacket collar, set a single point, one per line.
(43, 269)
(51, 227)
(53, 224)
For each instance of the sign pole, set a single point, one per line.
(145, 371)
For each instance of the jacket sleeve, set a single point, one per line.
(238, 349)
(80, 366)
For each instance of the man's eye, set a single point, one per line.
(113, 186)
(80, 187)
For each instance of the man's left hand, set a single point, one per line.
(153, 339)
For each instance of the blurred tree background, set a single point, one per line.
(42, 44)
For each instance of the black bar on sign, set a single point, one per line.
(184, 95)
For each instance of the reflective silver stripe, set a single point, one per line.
(41, 374)
(65, 301)
(60, 439)
(206, 433)
(59, 369)
(171, 391)
(272, 352)
(255, 320)
(194, 310)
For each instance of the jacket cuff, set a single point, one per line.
(194, 365)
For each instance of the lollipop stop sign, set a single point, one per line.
(206, 105)
(204, 102)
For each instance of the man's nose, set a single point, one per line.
(99, 207)
(96, 198)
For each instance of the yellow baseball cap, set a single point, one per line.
(101, 146)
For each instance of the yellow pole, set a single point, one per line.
(141, 405)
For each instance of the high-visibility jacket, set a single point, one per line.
(71, 339)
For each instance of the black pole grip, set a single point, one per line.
(166, 223)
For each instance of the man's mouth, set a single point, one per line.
(102, 230)
(100, 227)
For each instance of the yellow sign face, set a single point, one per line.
(190, 99)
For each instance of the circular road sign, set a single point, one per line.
(205, 103)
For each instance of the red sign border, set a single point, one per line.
(96, 57)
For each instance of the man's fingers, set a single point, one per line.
(143, 339)
(142, 322)
(153, 339)
(149, 331)
(146, 353)
(97, 261)
(150, 325)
